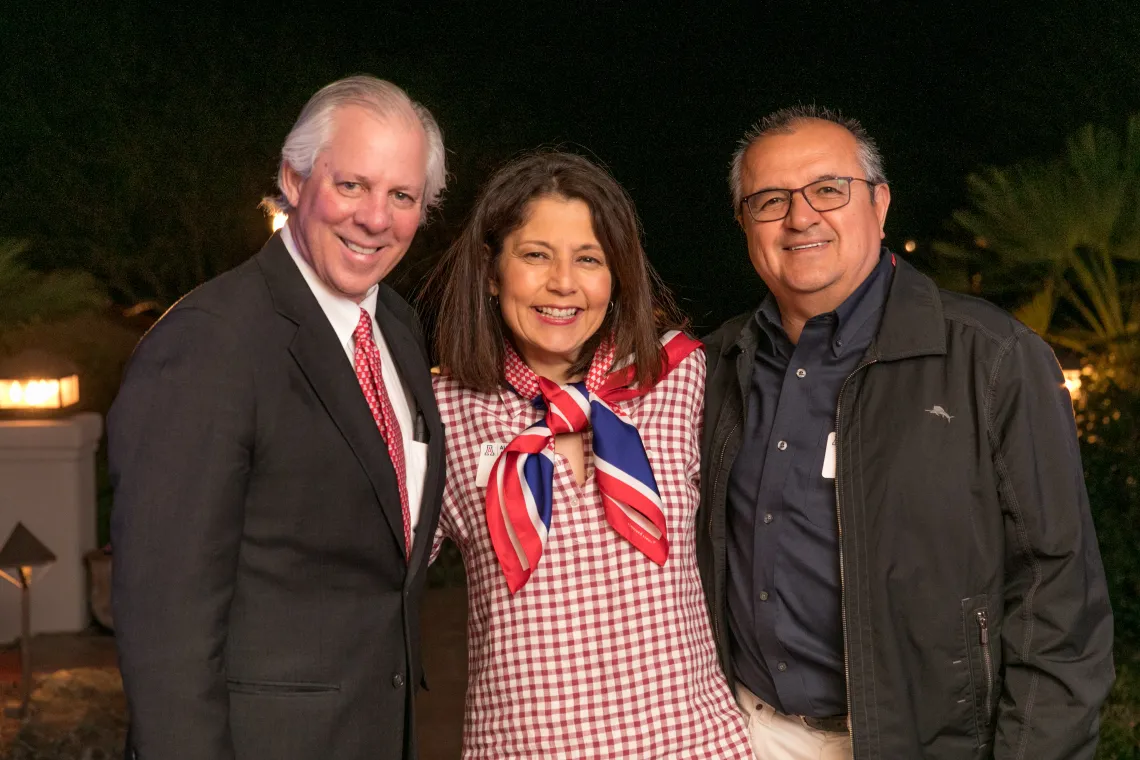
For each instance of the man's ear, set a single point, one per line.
(882, 203)
(291, 184)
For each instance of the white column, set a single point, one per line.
(47, 482)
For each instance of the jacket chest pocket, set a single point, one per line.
(981, 644)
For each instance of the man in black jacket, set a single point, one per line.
(894, 536)
(277, 457)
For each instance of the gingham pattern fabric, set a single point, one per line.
(603, 653)
(366, 359)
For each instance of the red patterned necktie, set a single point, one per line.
(367, 363)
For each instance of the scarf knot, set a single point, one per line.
(519, 499)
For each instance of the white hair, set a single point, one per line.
(783, 122)
(313, 130)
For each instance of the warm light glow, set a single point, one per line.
(39, 394)
(909, 246)
(278, 220)
(1072, 382)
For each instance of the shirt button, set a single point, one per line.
(763, 596)
(573, 501)
(398, 681)
(801, 372)
(767, 517)
(781, 666)
(782, 445)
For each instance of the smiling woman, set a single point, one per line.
(553, 285)
(572, 411)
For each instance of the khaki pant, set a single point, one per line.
(775, 736)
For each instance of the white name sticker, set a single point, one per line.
(829, 458)
(488, 453)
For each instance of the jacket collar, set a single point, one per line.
(912, 323)
(912, 318)
(318, 352)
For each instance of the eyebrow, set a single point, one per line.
(360, 179)
(817, 179)
(544, 244)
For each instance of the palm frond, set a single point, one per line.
(27, 295)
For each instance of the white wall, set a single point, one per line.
(47, 482)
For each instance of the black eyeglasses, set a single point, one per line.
(822, 195)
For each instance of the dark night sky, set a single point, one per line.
(658, 92)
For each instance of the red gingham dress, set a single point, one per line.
(602, 654)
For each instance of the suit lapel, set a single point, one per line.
(410, 361)
(320, 356)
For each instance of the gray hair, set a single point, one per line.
(783, 122)
(311, 134)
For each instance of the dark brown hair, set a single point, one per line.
(469, 331)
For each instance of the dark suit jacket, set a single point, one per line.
(263, 606)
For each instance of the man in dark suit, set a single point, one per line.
(277, 458)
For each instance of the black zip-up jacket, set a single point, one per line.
(975, 609)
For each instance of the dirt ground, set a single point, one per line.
(79, 713)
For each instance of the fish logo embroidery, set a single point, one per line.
(938, 411)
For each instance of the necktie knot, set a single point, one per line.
(362, 335)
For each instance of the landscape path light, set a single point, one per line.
(22, 554)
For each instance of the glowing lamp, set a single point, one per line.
(36, 380)
(278, 220)
(21, 554)
(1072, 382)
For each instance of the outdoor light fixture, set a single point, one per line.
(36, 380)
(1072, 382)
(278, 220)
(20, 555)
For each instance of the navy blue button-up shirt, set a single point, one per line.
(783, 543)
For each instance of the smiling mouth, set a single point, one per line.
(551, 312)
(362, 250)
(807, 246)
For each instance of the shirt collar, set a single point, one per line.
(864, 303)
(343, 313)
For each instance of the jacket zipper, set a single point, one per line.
(987, 663)
(842, 574)
(716, 483)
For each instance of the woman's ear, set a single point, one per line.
(493, 277)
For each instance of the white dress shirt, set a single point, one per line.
(344, 314)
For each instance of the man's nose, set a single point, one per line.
(374, 213)
(801, 215)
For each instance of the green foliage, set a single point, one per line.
(1108, 419)
(27, 295)
(1061, 241)
(1120, 718)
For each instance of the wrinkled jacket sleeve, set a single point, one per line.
(179, 443)
(1056, 637)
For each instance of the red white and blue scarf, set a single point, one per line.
(520, 489)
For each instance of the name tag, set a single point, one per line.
(829, 458)
(488, 453)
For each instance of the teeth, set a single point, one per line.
(557, 313)
(360, 249)
(806, 245)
